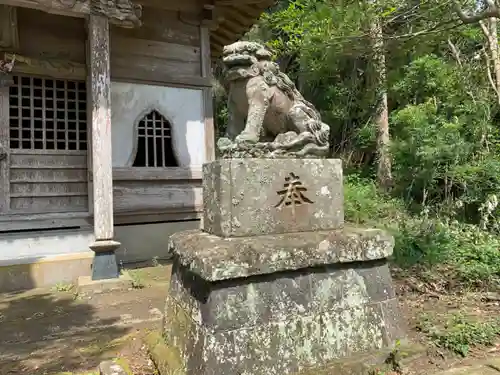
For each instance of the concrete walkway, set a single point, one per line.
(45, 331)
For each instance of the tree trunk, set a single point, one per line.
(489, 28)
(495, 55)
(381, 117)
(487, 20)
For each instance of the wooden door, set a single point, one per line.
(43, 154)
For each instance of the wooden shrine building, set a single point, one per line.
(105, 120)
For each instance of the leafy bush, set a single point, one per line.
(464, 253)
(445, 148)
(461, 252)
(364, 203)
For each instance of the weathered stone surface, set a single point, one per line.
(307, 340)
(189, 290)
(395, 323)
(184, 339)
(247, 197)
(234, 305)
(348, 287)
(247, 302)
(303, 317)
(268, 116)
(270, 287)
(359, 364)
(215, 258)
(111, 368)
(378, 282)
(285, 346)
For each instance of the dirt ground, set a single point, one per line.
(48, 332)
(428, 309)
(52, 331)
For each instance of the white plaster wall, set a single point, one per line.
(144, 242)
(27, 247)
(182, 107)
(138, 242)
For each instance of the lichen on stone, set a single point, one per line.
(215, 258)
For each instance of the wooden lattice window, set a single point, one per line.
(47, 114)
(154, 142)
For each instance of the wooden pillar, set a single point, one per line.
(4, 147)
(206, 71)
(104, 265)
(9, 33)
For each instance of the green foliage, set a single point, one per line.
(221, 112)
(137, 279)
(463, 253)
(429, 76)
(364, 204)
(460, 252)
(459, 333)
(63, 287)
(444, 122)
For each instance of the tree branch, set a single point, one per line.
(484, 29)
(433, 30)
(488, 72)
(492, 11)
(455, 52)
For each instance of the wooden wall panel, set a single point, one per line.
(151, 48)
(21, 175)
(47, 36)
(164, 50)
(48, 183)
(208, 95)
(155, 197)
(4, 140)
(40, 161)
(49, 204)
(47, 188)
(162, 26)
(152, 69)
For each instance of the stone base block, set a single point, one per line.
(251, 197)
(215, 258)
(282, 321)
(111, 368)
(88, 286)
(366, 364)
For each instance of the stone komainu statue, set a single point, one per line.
(268, 117)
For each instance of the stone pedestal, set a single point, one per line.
(251, 197)
(276, 287)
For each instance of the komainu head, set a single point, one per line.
(244, 54)
(244, 60)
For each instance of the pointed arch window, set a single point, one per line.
(154, 142)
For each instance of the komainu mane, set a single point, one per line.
(268, 116)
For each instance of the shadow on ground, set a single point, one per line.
(44, 333)
(48, 331)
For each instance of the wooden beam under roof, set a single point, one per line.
(230, 20)
(237, 20)
(81, 8)
(126, 14)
